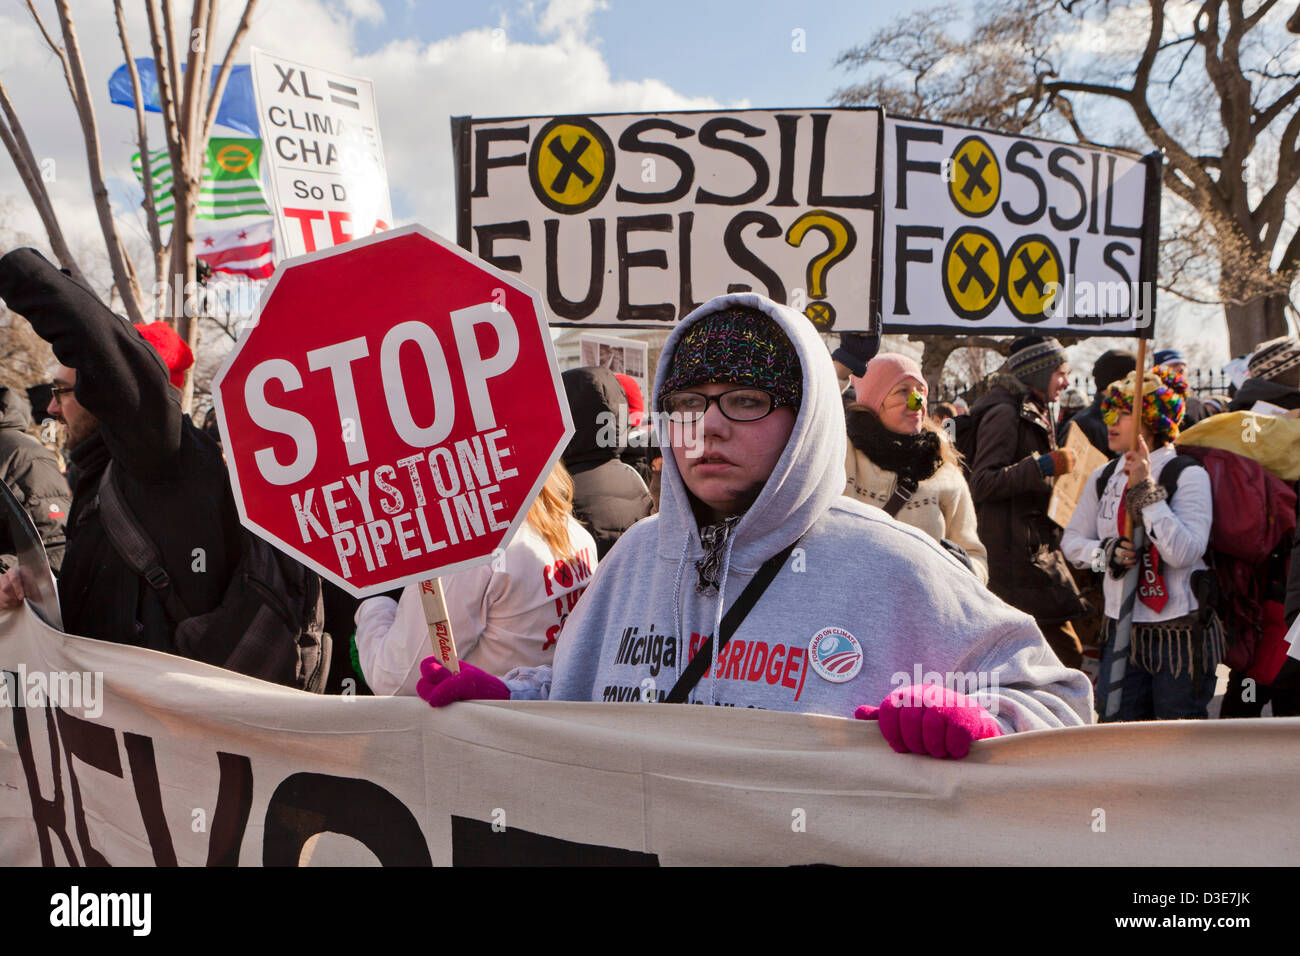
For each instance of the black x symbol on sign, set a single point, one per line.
(1033, 270)
(974, 271)
(975, 176)
(569, 165)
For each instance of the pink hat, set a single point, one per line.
(884, 372)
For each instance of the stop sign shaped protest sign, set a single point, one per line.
(392, 411)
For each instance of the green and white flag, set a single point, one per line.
(230, 185)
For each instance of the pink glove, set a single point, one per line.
(441, 687)
(928, 719)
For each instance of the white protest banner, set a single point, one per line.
(325, 158)
(152, 759)
(636, 218)
(991, 234)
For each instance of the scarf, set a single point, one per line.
(714, 537)
(911, 457)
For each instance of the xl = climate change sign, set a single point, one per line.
(325, 156)
(393, 410)
(635, 219)
(1006, 234)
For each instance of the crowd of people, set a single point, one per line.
(797, 543)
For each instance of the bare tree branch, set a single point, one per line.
(219, 88)
(142, 139)
(20, 150)
(122, 275)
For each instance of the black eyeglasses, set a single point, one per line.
(58, 391)
(737, 404)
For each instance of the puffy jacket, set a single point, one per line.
(1026, 566)
(608, 494)
(32, 473)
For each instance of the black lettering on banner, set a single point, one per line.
(630, 141)
(1015, 165)
(475, 843)
(904, 253)
(483, 140)
(972, 272)
(709, 136)
(1108, 256)
(234, 805)
(686, 295)
(643, 259)
(817, 169)
(787, 127)
(305, 804)
(486, 237)
(148, 795)
(96, 746)
(1111, 228)
(47, 815)
(1092, 212)
(733, 241)
(567, 308)
(913, 134)
(1054, 166)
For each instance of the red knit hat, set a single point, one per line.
(635, 402)
(176, 355)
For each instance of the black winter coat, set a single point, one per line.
(1026, 566)
(608, 495)
(32, 473)
(1262, 390)
(171, 474)
(1091, 424)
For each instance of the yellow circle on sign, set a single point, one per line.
(571, 164)
(1034, 277)
(234, 158)
(974, 178)
(972, 272)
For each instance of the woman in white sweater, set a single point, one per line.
(900, 461)
(503, 615)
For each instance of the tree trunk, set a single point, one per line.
(1256, 321)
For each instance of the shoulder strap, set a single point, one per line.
(730, 623)
(134, 546)
(1104, 478)
(904, 488)
(1169, 474)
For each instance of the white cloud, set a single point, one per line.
(480, 72)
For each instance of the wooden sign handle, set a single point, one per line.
(435, 615)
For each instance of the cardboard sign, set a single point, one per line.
(392, 410)
(637, 218)
(323, 153)
(1066, 489)
(986, 233)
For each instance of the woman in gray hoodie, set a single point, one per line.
(859, 611)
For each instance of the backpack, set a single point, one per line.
(1250, 535)
(270, 622)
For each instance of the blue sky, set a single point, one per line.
(729, 51)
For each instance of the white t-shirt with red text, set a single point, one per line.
(503, 615)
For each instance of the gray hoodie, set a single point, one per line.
(864, 604)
